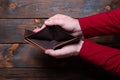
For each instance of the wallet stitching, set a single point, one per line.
(60, 44)
(30, 41)
(64, 42)
(32, 34)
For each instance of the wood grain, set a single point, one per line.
(29, 63)
(52, 74)
(29, 56)
(12, 30)
(25, 62)
(47, 8)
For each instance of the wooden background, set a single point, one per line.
(21, 61)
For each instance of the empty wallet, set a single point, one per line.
(52, 37)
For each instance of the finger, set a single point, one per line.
(54, 21)
(55, 53)
(36, 29)
(39, 29)
(75, 34)
(65, 51)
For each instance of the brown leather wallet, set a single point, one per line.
(52, 37)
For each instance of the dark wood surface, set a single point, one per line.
(12, 30)
(21, 61)
(47, 8)
(25, 62)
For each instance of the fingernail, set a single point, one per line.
(36, 30)
(47, 52)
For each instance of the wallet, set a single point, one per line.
(51, 37)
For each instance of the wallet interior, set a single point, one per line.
(52, 37)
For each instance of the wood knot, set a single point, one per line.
(37, 21)
(12, 49)
(12, 5)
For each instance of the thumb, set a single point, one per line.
(54, 22)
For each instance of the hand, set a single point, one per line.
(66, 22)
(66, 51)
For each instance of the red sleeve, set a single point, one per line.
(106, 57)
(101, 24)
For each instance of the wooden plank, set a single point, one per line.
(47, 74)
(25, 55)
(25, 62)
(12, 30)
(29, 63)
(47, 8)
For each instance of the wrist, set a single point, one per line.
(77, 27)
(79, 46)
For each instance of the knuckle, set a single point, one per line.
(58, 15)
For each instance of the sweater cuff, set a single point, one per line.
(105, 23)
(90, 26)
(99, 54)
(83, 24)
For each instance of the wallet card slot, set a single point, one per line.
(51, 38)
(46, 44)
(52, 33)
(62, 44)
(35, 44)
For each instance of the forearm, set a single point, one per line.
(106, 57)
(106, 23)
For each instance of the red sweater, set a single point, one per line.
(106, 23)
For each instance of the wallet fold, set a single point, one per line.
(51, 37)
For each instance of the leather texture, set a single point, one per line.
(52, 37)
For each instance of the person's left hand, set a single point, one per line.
(66, 51)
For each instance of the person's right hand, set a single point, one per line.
(66, 22)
